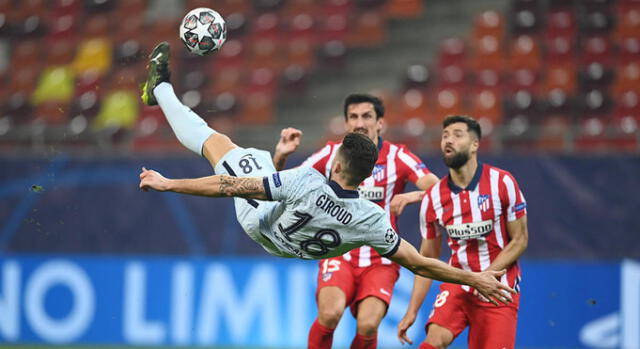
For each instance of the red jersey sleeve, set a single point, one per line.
(428, 228)
(319, 159)
(513, 203)
(410, 166)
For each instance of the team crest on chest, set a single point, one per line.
(483, 202)
(378, 172)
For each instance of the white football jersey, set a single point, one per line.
(314, 218)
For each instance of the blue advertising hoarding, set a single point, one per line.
(270, 302)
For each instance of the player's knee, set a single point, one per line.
(329, 316)
(439, 337)
(438, 340)
(368, 327)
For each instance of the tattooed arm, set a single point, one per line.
(216, 186)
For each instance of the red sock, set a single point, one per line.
(426, 345)
(320, 337)
(364, 342)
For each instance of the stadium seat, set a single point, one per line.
(448, 102)
(56, 83)
(62, 27)
(524, 80)
(594, 104)
(333, 54)
(629, 50)
(98, 26)
(597, 49)
(554, 135)
(560, 50)
(557, 103)
(294, 80)
(119, 109)
(60, 52)
(522, 103)
(452, 76)
(525, 53)
(561, 22)
(257, 108)
(268, 5)
(262, 80)
(404, 8)
(237, 25)
(333, 27)
(301, 52)
(51, 113)
(453, 51)
(628, 23)
(301, 26)
(413, 104)
(368, 29)
(591, 136)
(231, 55)
(337, 7)
(562, 77)
(487, 54)
(487, 104)
(417, 76)
(227, 80)
(596, 21)
(488, 23)
(627, 78)
(93, 54)
(595, 76)
(266, 53)
(266, 26)
(525, 21)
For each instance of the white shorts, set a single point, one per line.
(250, 162)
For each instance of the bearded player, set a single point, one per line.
(484, 214)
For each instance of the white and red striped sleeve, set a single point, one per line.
(428, 228)
(410, 165)
(319, 159)
(513, 202)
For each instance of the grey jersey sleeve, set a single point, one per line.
(382, 237)
(287, 185)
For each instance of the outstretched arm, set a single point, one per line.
(288, 143)
(429, 248)
(485, 282)
(214, 186)
(400, 201)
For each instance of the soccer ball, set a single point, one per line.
(203, 31)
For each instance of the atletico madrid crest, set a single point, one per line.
(378, 173)
(483, 202)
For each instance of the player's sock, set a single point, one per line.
(426, 345)
(320, 337)
(365, 342)
(188, 126)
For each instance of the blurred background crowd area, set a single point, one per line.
(540, 75)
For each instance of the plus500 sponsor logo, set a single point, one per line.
(470, 230)
(371, 193)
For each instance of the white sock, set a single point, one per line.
(192, 131)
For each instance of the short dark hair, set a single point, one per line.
(358, 154)
(472, 124)
(357, 98)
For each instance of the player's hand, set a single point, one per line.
(150, 179)
(289, 141)
(403, 326)
(490, 288)
(400, 201)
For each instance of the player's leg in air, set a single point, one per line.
(190, 129)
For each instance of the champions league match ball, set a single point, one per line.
(203, 31)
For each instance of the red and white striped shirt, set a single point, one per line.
(395, 166)
(475, 218)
